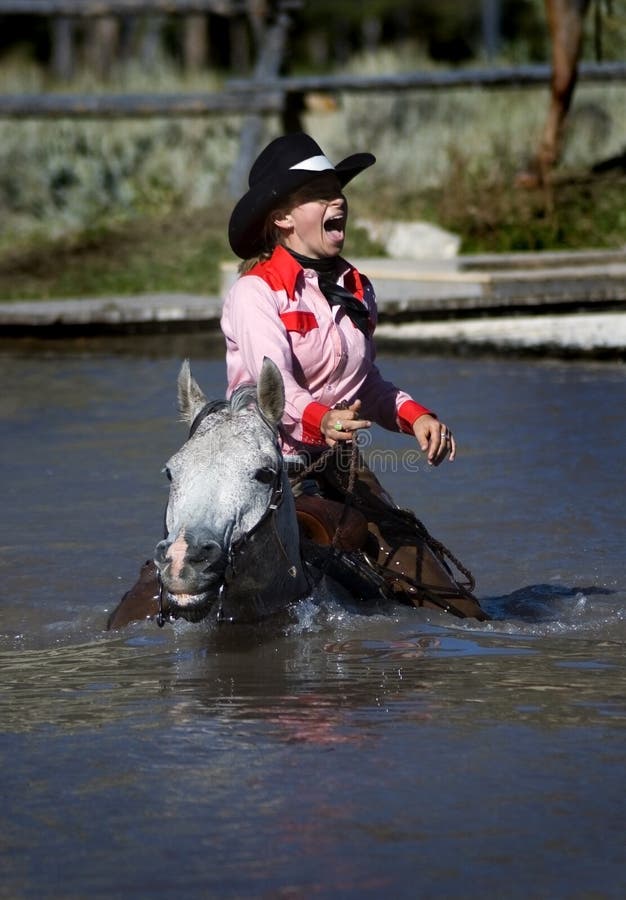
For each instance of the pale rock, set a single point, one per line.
(413, 240)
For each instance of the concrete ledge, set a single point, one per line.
(409, 288)
(109, 312)
(558, 302)
(584, 334)
(541, 259)
(402, 287)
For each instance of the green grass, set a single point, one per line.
(177, 253)
(576, 212)
(182, 251)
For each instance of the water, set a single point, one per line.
(350, 755)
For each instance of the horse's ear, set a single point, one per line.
(190, 396)
(271, 392)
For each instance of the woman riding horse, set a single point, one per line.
(300, 303)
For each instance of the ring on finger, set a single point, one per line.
(338, 426)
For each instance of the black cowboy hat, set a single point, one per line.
(286, 164)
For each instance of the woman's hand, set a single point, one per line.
(341, 424)
(435, 439)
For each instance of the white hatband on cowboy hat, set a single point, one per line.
(285, 165)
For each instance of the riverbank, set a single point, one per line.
(561, 303)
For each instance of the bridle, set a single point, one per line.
(275, 502)
(236, 547)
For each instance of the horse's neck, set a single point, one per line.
(271, 574)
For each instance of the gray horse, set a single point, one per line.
(232, 540)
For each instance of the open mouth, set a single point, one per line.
(191, 607)
(335, 224)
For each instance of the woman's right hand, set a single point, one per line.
(341, 424)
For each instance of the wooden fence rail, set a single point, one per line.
(139, 106)
(503, 77)
(268, 95)
(95, 8)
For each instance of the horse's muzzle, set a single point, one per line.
(191, 574)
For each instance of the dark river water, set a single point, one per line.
(347, 755)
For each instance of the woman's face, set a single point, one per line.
(315, 224)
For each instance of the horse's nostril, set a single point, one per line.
(211, 555)
(160, 552)
(213, 551)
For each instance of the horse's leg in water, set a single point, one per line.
(140, 602)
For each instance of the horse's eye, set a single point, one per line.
(265, 475)
(168, 474)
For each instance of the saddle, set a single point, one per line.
(355, 515)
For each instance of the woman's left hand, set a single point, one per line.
(342, 424)
(435, 439)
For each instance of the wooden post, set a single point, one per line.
(491, 22)
(268, 65)
(151, 41)
(195, 42)
(101, 49)
(239, 45)
(62, 47)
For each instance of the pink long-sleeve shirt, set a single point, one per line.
(278, 310)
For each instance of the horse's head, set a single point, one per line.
(227, 480)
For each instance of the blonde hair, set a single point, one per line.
(270, 236)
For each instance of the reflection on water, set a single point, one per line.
(363, 665)
(346, 755)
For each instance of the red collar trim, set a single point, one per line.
(281, 272)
